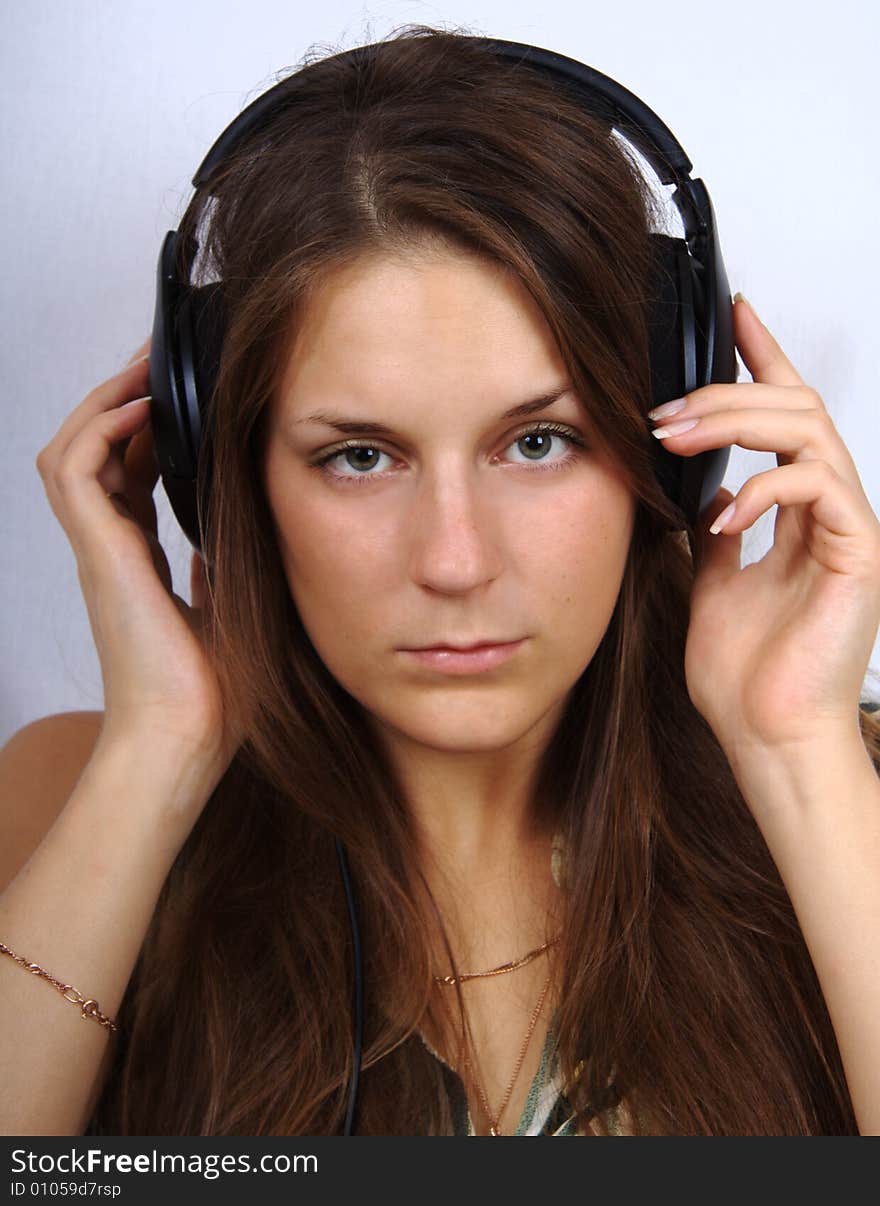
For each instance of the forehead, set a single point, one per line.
(420, 325)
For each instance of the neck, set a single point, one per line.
(494, 914)
(472, 810)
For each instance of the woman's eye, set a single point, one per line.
(536, 445)
(539, 441)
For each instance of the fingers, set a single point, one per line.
(848, 540)
(760, 352)
(142, 350)
(78, 478)
(707, 556)
(720, 394)
(87, 458)
(778, 413)
(129, 383)
(799, 433)
(142, 473)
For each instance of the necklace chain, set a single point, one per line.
(495, 1119)
(502, 967)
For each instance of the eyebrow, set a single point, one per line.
(368, 427)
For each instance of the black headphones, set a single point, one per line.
(691, 332)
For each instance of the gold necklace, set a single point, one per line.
(501, 968)
(495, 1119)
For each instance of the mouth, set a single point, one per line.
(473, 659)
(489, 643)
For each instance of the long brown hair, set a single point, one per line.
(684, 980)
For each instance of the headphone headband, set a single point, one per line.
(622, 108)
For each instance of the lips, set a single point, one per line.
(474, 659)
(462, 648)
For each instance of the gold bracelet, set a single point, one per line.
(89, 1008)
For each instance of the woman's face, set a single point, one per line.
(454, 525)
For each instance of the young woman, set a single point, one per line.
(617, 873)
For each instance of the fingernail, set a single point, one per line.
(131, 364)
(723, 519)
(674, 429)
(741, 297)
(668, 408)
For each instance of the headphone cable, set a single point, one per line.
(358, 991)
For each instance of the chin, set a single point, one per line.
(464, 727)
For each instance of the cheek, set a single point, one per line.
(573, 576)
(575, 560)
(335, 570)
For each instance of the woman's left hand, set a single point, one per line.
(777, 650)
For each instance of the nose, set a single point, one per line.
(455, 534)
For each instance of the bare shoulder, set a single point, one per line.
(39, 768)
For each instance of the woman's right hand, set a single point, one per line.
(158, 682)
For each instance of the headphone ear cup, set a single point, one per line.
(188, 329)
(664, 322)
(679, 358)
(203, 325)
(671, 345)
(174, 408)
(209, 323)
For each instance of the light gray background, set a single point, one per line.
(109, 108)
